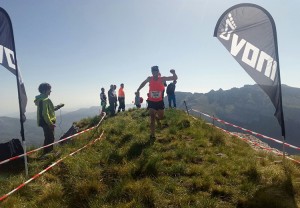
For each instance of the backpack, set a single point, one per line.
(10, 149)
(72, 130)
(171, 88)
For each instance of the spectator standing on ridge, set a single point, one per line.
(171, 94)
(164, 83)
(121, 98)
(115, 95)
(111, 100)
(155, 99)
(46, 114)
(137, 100)
(103, 100)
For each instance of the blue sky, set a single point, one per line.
(80, 46)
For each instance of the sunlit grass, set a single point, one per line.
(190, 164)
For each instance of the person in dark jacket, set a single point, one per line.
(171, 94)
(138, 100)
(112, 100)
(116, 98)
(103, 100)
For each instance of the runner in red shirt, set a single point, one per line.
(155, 99)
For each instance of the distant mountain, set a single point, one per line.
(10, 127)
(249, 107)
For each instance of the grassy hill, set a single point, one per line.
(251, 108)
(189, 164)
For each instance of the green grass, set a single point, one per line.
(190, 164)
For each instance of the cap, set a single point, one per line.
(154, 68)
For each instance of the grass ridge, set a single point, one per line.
(190, 164)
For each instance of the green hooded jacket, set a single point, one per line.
(47, 113)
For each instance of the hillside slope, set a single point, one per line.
(189, 164)
(249, 107)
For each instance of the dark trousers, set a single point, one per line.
(172, 98)
(121, 104)
(112, 107)
(49, 138)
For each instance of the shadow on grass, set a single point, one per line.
(126, 138)
(137, 148)
(13, 167)
(279, 195)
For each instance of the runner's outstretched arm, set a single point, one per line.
(170, 78)
(143, 84)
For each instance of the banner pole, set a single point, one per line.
(8, 30)
(283, 149)
(22, 120)
(186, 107)
(25, 158)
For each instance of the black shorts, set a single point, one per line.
(156, 105)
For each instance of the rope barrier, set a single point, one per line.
(48, 168)
(257, 144)
(247, 130)
(69, 137)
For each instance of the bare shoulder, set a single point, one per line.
(146, 80)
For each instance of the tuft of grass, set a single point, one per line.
(115, 157)
(217, 138)
(51, 192)
(135, 150)
(252, 174)
(148, 166)
(183, 124)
